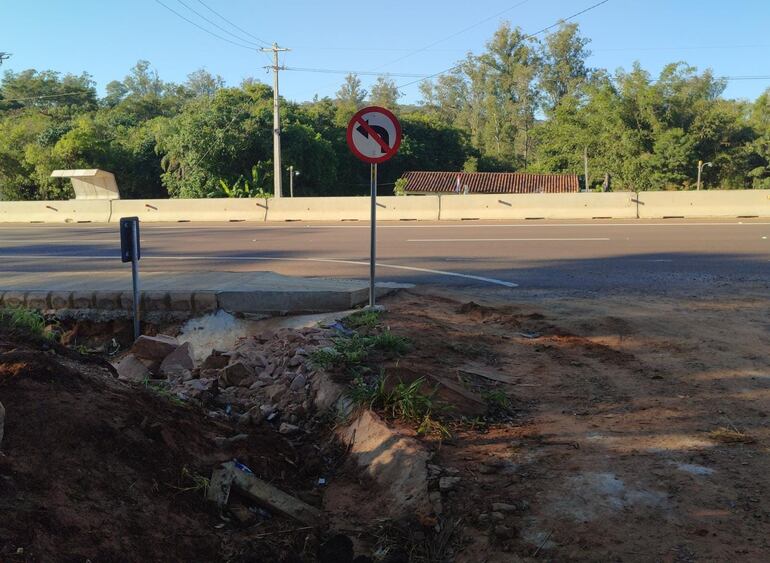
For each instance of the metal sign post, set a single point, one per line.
(374, 135)
(373, 237)
(131, 252)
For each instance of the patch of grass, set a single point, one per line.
(367, 318)
(353, 351)
(192, 482)
(386, 341)
(497, 400)
(22, 322)
(405, 401)
(163, 392)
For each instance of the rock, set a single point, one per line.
(215, 361)
(435, 501)
(234, 374)
(498, 516)
(2, 423)
(130, 368)
(504, 532)
(178, 363)
(288, 429)
(503, 507)
(298, 383)
(198, 389)
(154, 348)
(326, 391)
(275, 392)
(448, 483)
(254, 415)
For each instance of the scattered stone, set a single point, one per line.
(275, 392)
(130, 368)
(199, 389)
(178, 363)
(234, 374)
(504, 507)
(154, 348)
(498, 516)
(298, 383)
(448, 483)
(504, 532)
(288, 429)
(215, 361)
(435, 501)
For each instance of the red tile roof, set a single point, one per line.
(491, 182)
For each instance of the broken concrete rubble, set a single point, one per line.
(130, 368)
(154, 348)
(179, 363)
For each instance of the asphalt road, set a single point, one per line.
(598, 255)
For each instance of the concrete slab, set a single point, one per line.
(237, 292)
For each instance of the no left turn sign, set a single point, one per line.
(374, 135)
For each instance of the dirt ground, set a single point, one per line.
(95, 470)
(640, 428)
(583, 428)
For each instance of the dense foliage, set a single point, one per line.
(522, 104)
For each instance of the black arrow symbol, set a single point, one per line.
(381, 132)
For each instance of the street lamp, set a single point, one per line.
(701, 164)
(292, 173)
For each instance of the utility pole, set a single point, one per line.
(4, 57)
(291, 180)
(585, 165)
(277, 168)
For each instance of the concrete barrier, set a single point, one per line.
(538, 206)
(183, 210)
(408, 208)
(707, 203)
(71, 211)
(318, 209)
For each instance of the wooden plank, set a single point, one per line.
(268, 496)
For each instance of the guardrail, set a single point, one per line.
(616, 205)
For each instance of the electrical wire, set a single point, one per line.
(530, 36)
(358, 72)
(231, 23)
(448, 37)
(242, 46)
(227, 31)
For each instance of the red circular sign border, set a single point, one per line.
(354, 120)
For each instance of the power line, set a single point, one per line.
(530, 36)
(250, 48)
(357, 72)
(231, 23)
(227, 31)
(448, 37)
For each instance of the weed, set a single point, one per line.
(386, 341)
(198, 483)
(404, 402)
(324, 358)
(497, 400)
(162, 392)
(22, 322)
(367, 318)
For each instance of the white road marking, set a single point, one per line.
(504, 239)
(363, 225)
(269, 259)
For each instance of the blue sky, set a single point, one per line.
(107, 37)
